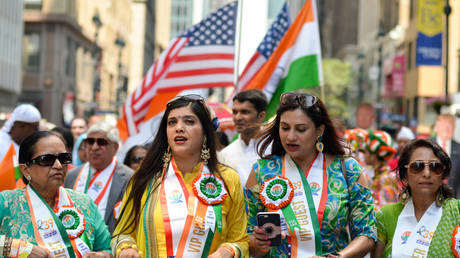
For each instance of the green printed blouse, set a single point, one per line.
(341, 204)
(16, 221)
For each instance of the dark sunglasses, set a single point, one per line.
(137, 159)
(99, 141)
(188, 97)
(418, 166)
(306, 100)
(47, 160)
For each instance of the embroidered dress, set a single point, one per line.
(334, 226)
(149, 234)
(16, 221)
(385, 187)
(440, 245)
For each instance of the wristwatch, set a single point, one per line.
(334, 255)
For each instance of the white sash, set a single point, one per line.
(96, 188)
(178, 211)
(305, 236)
(46, 226)
(412, 238)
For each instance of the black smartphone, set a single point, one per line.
(270, 222)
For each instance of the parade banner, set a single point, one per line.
(429, 37)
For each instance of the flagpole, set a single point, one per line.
(238, 34)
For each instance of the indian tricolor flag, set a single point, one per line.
(9, 170)
(296, 62)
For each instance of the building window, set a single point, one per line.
(31, 52)
(33, 4)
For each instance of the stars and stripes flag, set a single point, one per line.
(202, 57)
(265, 49)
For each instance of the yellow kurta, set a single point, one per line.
(234, 219)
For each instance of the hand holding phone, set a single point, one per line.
(270, 224)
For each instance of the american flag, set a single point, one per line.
(264, 50)
(202, 57)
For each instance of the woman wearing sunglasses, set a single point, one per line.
(181, 202)
(135, 156)
(318, 194)
(426, 220)
(44, 219)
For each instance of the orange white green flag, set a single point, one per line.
(296, 62)
(9, 170)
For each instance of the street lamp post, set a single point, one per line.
(447, 11)
(380, 35)
(97, 59)
(121, 44)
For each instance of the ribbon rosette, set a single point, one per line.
(210, 190)
(455, 243)
(73, 221)
(277, 193)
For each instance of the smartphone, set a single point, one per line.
(270, 222)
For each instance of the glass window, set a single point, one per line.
(32, 52)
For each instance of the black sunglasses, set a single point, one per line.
(188, 97)
(137, 159)
(99, 141)
(305, 100)
(418, 166)
(47, 160)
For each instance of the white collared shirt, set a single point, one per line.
(240, 157)
(448, 145)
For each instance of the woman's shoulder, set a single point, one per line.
(12, 195)
(391, 209)
(228, 173)
(452, 204)
(79, 197)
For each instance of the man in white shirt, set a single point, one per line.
(248, 114)
(445, 127)
(23, 122)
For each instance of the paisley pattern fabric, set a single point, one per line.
(440, 246)
(342, 205)
(16, 221)
(385, 186)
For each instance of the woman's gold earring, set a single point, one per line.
(319, 144)
(439, 198)
(404, 196)
(205, 152)
(167, 157)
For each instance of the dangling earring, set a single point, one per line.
(319, 143)
(28, 177)
(167, 157)
(439, 198)
(404, 196)
(205, 153)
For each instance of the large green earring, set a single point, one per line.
(319, 144)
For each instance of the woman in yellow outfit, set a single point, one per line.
(181, 202)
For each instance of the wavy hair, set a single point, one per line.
(409, 149)
(152, 165)
(317, 113)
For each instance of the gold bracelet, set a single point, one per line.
(126, 245)
(230, 248)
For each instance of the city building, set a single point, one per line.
(76, 48)
(11, 29)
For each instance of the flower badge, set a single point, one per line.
(73, 221)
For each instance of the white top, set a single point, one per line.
(448, 145)
(5, 142)
(240, 157)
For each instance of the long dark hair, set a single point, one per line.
(409, 149)
(152, 166)
(317, 113)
